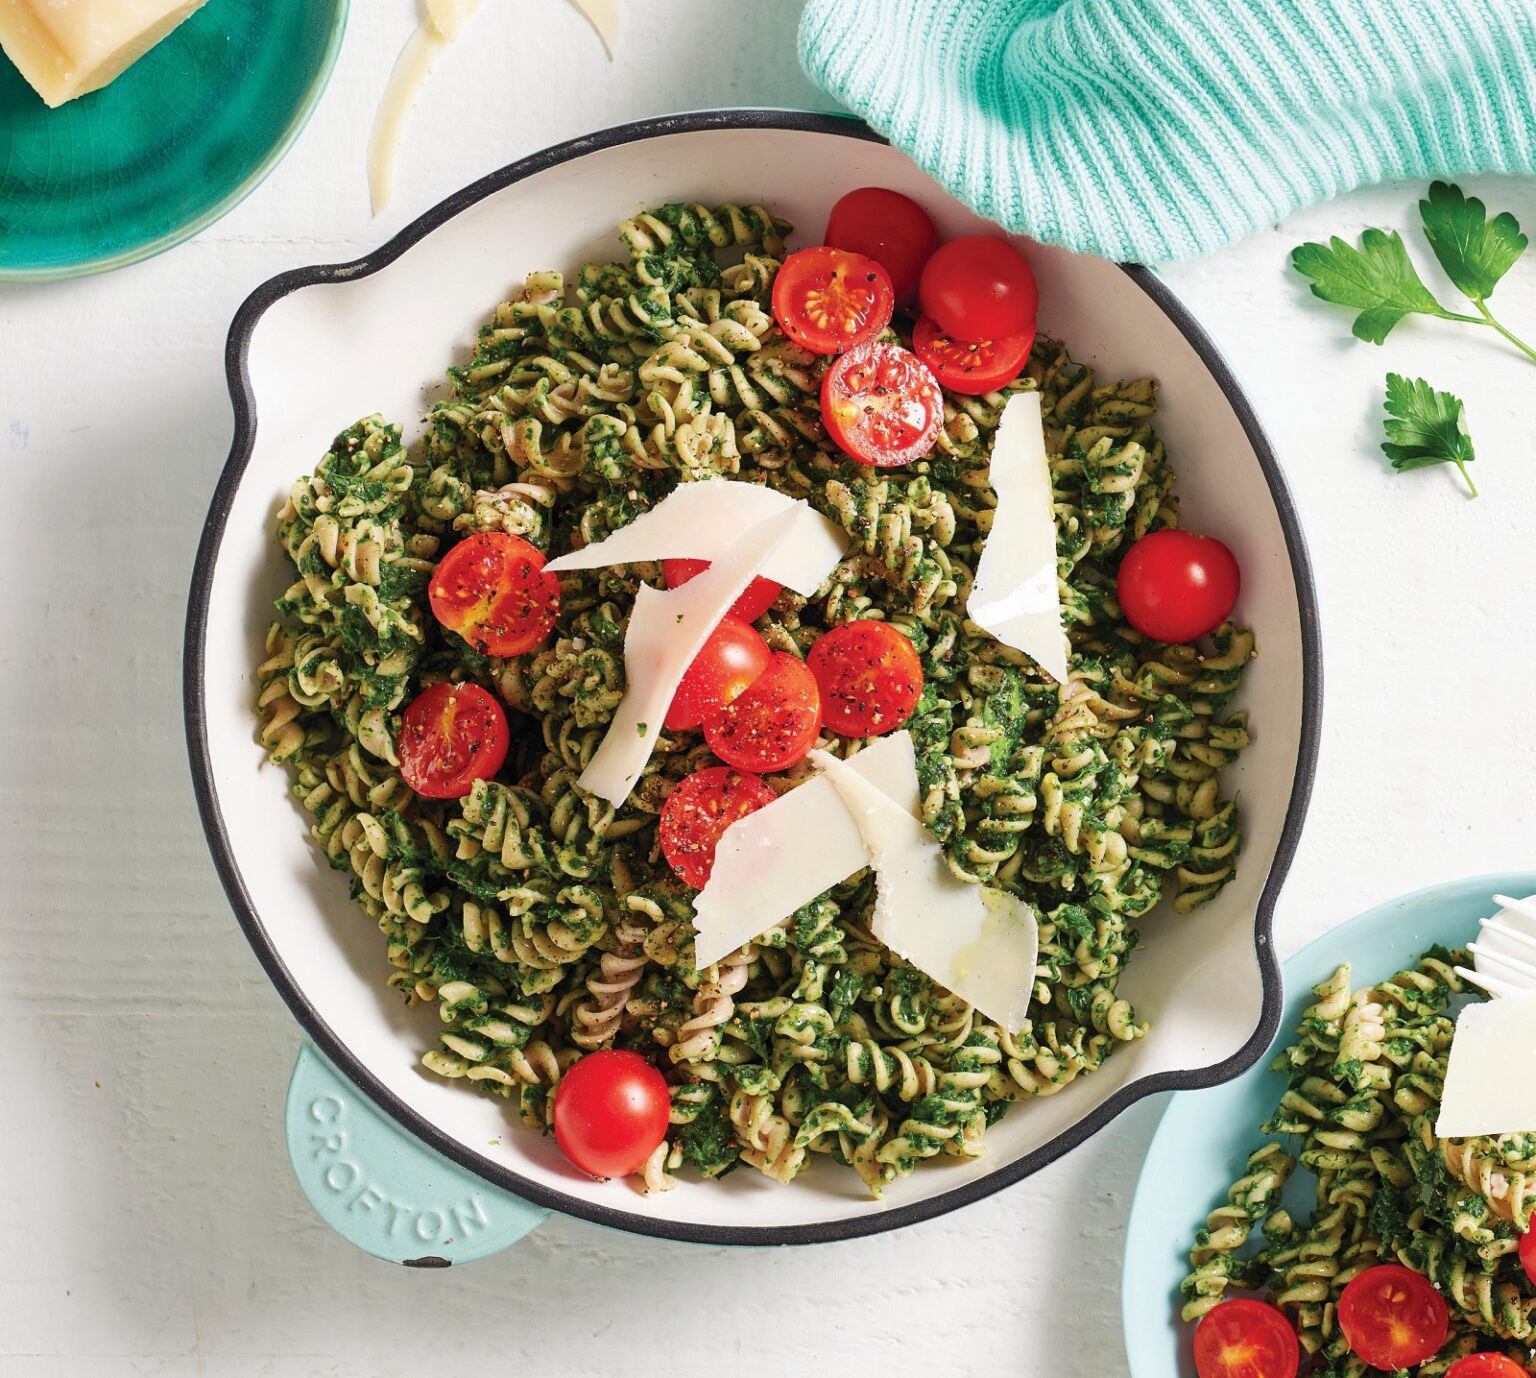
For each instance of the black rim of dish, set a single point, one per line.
(877, 1219)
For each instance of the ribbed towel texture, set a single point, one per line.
(1150, 130)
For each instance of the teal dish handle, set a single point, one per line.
(384, 1190)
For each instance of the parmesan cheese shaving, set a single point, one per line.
(983, 944)
(666, 631)
(447, 15)
(704, 520)
(1490, 1079)
(440, 24)
(1016, 597)
(770, 863)
(603, 16)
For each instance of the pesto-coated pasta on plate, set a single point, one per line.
(1373, 1237)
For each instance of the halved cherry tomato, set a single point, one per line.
(733, 657)
(450, 736)
(1393, 1317)
(888, 227)
(1528, 1252)
(748, 608)
(870, 678)
(1246, 1339)
(971, 367)
(979, 288)
(881, 405)
(773, 724)
(829, 300)
(1487, 1366)
(699, 811)
(492, 590)
(1176, 586)
(611, 1112)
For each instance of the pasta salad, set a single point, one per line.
(447, 705)
(1400, 1247)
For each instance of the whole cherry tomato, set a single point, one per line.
(611, 1112)
(979, 288)
(1175, 586)
(888, 227)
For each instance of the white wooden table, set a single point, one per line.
(148, 1220)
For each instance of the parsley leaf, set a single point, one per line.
(1380, 281)
(1378, 277)
(1474, 250)
(1425, 427)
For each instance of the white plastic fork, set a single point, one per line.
(1505, 954)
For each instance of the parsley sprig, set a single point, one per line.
(1379, 280)
(1426, 427)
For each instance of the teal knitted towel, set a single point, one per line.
(1149, 130)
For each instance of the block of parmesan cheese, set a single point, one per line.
(65, 48)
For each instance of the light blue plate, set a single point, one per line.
(1205, 1137)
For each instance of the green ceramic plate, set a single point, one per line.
(176, 141)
